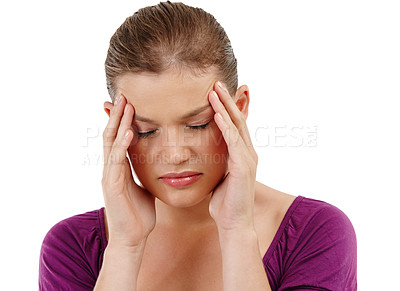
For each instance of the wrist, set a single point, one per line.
(242, 264)
(118, 248)
(238, 236)
(120, 267)
(237, 230)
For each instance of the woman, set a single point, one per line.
(198, 220)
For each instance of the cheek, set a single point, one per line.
(214, 140)
(140, 158)
(214, 150)
(142, 164)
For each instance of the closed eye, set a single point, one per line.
(145, 134)
(149, 133)
(200, 126)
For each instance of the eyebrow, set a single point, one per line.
(186, 116)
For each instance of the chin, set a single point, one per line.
(181, 202)
(184, 197)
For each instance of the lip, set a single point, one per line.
(181, 174)
(179, 180)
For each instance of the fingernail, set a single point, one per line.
(220, 85)
(215, 95)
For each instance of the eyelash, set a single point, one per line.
(146, 134)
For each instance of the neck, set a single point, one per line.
(185, 217)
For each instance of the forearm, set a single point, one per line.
(120, 268)
(241, 262)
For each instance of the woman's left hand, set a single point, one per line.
(232, 201)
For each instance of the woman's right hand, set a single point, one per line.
(130, 210)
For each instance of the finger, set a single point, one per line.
(234, 112)
(232, 135)
(118, 157)
(111, 130)
(229, 131)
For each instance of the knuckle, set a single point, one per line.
(106, 132)
(117, 144)
(251, 166)
(109, 133)
(103, 183)
(105, 135)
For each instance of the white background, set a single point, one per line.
(323, 78)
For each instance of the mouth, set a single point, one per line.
(179, 180)
(180, 175)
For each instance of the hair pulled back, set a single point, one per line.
(170, 35)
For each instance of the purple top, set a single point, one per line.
(314, 249)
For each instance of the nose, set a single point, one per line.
(175, 149)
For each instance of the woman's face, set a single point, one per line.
(176, 132)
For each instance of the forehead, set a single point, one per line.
(169, 93)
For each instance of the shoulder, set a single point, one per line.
(311, 215)
(316, 247)
(82, 231)
(72, 246)
(315, 224)
(77, 226)
(310, 221)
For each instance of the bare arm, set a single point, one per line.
(120, 268)
(130, 211)
(242, 265)
(232, 203)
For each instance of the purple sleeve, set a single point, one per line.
(71, 254)
(325, 254)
